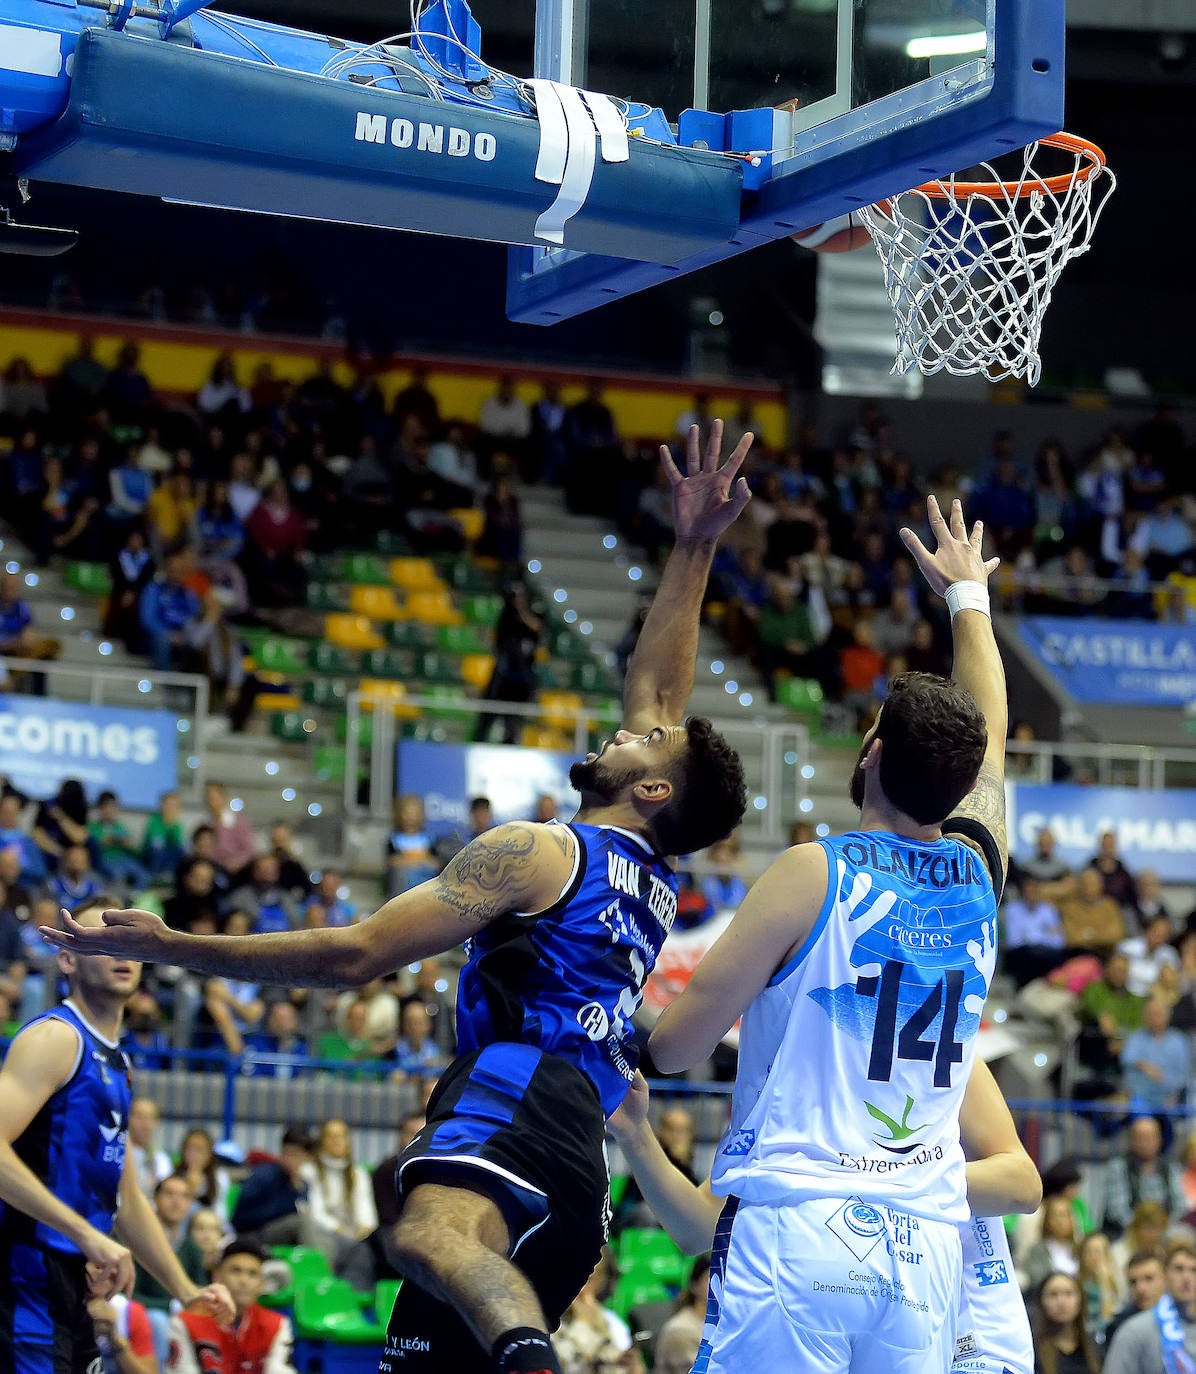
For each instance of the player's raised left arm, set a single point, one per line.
(958, 560)
(775, 918)
(514, 867)
(1001, 1175)
(706, 499)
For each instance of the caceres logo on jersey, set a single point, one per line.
(919, 990)
(990, 1273)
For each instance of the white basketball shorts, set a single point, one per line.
(830, 1286)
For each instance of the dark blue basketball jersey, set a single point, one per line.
(569, 980)
(76, 1143)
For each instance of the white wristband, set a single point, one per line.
(967, 596)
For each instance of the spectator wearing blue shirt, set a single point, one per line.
(129, 488)
(1163, 537)
(1032, 936)
(264, 900)
(724, 889)
(279, 1035)
(326, 907)
(169, 609)
(74, 883)
(18, 637)
(1006, 506)
(416, 1054)
(1155, 1060)
(15, 837)
(270, 1198)
(143, 1039)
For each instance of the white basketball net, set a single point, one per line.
(970, 265)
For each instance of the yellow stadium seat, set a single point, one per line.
(433, 608)
(348, 631)
(387, 694)
(378, 603)
(416, 575)
(541, 737)
(477, 669)
(559, 710)
(471, 521)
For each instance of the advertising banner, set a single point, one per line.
(1115, 662)
(133, 753)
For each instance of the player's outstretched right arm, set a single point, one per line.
(40, 1061)
(688, 1211)
(515, 867)
(958, 562)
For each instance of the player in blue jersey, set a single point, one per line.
(64, 1106)
(860, 966)
(504, 1192)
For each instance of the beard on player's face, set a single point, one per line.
(597, 777)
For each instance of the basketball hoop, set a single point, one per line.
(970, 265)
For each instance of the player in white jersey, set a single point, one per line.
(993, 1329)
(860, 966)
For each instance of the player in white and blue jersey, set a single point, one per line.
(993, 1329)
(860, 966)
(504, 1192)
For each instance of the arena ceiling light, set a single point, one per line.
(947, 44)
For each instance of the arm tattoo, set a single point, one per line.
(490, 875)
(985, 805)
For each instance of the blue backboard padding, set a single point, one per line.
(167, 120)
(865, 163)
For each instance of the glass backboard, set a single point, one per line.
(878, 95)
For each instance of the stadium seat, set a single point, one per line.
(366, 569)
(433, 608)
(385, 1292)
(307, 1266)
(276, 694)
(618, 1186)
(331, 1310)
(292, 726)
(651, 1253)
(386, 694)
(477, 670)
(328, 762)
(452, 703)
(281, 656)
(464, 575)
(415, 575)
(559, 710)
(390, 663)
(632, 1290)
(328, 692)
(365, 731)
(471, 520)
(378, 603)
(327, 596)
(91, 578)
(801, 695)
(326, 567)
(330, 658)
(351, 632)
(482, 609)
(459, 639)
(411, 634)
(391, 542)
(590, 677)
(439, 667)
(542, 737)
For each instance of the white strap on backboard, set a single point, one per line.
(554, 133)
(612, 131)
(579, 166)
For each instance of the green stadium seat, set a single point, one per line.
(389, 663)
(331, 658)
(326, 567)
(328, 692)
(633, 1290)
(460, 639)
(393, 544)
(307, 1266)
(618, 1186)
(331, 1310)
(93, 579)
(292, 727)
(367, 569)
(327, 596)
(438, 667)
(801, 695)
(464, 575)
(328, 762)
(481, 609)
(651, 1253)
(590, 677)
(282, 656)
(385, 1292)
(411, 634)
(365, 730)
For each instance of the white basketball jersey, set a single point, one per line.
(994, 1330)
(854, 1059)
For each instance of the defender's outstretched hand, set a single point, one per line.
(125, 934)
(707, 498)
(957, 557)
